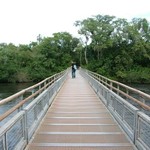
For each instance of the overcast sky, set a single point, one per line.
(21, 21)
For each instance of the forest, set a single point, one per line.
(113, 47)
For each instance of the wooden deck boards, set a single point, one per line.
(78, 120)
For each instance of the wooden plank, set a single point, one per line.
(77, 119)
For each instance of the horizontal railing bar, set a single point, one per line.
(3, 101)
(142, 94)
(7, 113)
(20, 104)
(134, 121)
(122, 85)
(9, 124)
(27, 119)
(132, 98)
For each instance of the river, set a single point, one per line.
(142, 87)
(7, 89)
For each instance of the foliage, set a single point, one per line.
(37, 60)
(136, 75)
(119, 49)
(107, 45)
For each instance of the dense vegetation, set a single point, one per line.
(107, 45)
(118, 48)
(37, 60)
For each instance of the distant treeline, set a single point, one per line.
(110, 46)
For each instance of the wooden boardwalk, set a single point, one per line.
(78, 120)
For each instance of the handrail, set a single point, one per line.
(133, 120)
(128, 89)
(121, 84)
(143, 105)
(3, 101)
(21, 93)
(8, 99)
(7, 113)
(20, 122)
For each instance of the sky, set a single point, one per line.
(21, 21)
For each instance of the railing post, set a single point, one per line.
(118, 89)
(45, 84)
(26, 126)
(127, 92)
(5, 142)
(136, 127)
(111, 84)
(20, 108)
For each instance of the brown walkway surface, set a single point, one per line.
(78, 120)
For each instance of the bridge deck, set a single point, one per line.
(77, 119)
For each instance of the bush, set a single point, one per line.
(137, 75)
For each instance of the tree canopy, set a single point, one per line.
(119, 49)
(113, 47)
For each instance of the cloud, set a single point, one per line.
(23, 20)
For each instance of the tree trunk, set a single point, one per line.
(80, 57)
(85, 55)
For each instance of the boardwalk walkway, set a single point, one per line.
(78, 120)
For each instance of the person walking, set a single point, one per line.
(73, 67)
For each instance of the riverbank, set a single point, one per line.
(7, 89)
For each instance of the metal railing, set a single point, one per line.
(20, 122)
(117, 97)
(132, 95)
